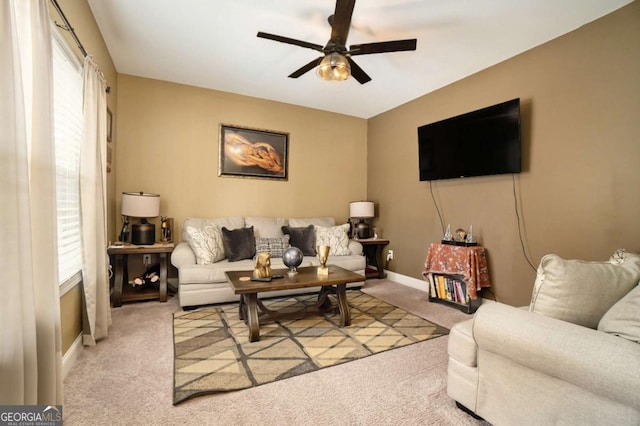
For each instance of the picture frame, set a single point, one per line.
(253, 153)
(109, 124)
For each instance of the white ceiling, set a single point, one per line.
(213, 43)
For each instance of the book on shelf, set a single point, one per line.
(448, 287)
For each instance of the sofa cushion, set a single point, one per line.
(304, 222)
(582, 292)
(206, 243)
(266, 227)
(336, 237)
(274, 246)
(239, 244)
(623, 319)
(229, 222)
(303, 238)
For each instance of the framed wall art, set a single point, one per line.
(253, 153)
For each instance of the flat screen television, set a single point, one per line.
(478, 143)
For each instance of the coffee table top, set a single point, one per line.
(307, 277)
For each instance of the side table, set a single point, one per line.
(456, 274)
(120, 253)
(373, 248)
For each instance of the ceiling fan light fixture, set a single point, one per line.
(334, 67)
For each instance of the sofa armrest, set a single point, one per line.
(183, 255)
(355, 247)
(602, 363)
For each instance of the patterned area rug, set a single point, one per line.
(212, 352)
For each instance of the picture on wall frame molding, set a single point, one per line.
(252, 153)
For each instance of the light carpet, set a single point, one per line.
(212, 353)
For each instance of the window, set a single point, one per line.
(67, 117)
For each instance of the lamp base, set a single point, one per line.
(363, 230)
(143, 233)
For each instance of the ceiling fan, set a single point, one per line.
(336, 62)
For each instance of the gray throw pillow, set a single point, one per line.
(303, 238)
(239, 244)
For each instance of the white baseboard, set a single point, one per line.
(408, 281)
(71, 355)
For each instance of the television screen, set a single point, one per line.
(478, 143)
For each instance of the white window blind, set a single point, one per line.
(67, 108)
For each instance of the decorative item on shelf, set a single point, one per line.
(376, 233)
(463, 238)
(124, 233)
(469, 237)
(167, 229)
(262, 266)
(323, 255)
(447, 235)
(363, 211)
(142, 205)
(150, 277)
(292, 258)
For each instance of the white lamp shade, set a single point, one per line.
(140, 204)
(361, 209)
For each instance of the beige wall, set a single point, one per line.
(168, 144)
(81, 19)
(580, 188)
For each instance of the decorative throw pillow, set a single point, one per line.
(336, 237)
(206, 243)
(623, 319)
(582, 292)
(274, 246)
(303, 238)
(239, 243)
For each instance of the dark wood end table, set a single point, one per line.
(373, 248)
(307, 277)
(120, 254)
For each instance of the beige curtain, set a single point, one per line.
(93, 202)
(30, 342)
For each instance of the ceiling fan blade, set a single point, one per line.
(383, 47)
(341, 21)
(358, 73)
(311, 65)
(288, 40)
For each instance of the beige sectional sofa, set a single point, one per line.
(571, 357)
(201, 274)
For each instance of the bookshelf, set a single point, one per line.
(455, 275)
(452, 290)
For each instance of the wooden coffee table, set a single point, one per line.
(306, 277)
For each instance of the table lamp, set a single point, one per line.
(142, 205)
(362, 210)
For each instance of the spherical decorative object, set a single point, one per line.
(292, 257)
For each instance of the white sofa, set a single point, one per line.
(202, 284)
(571, 357)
